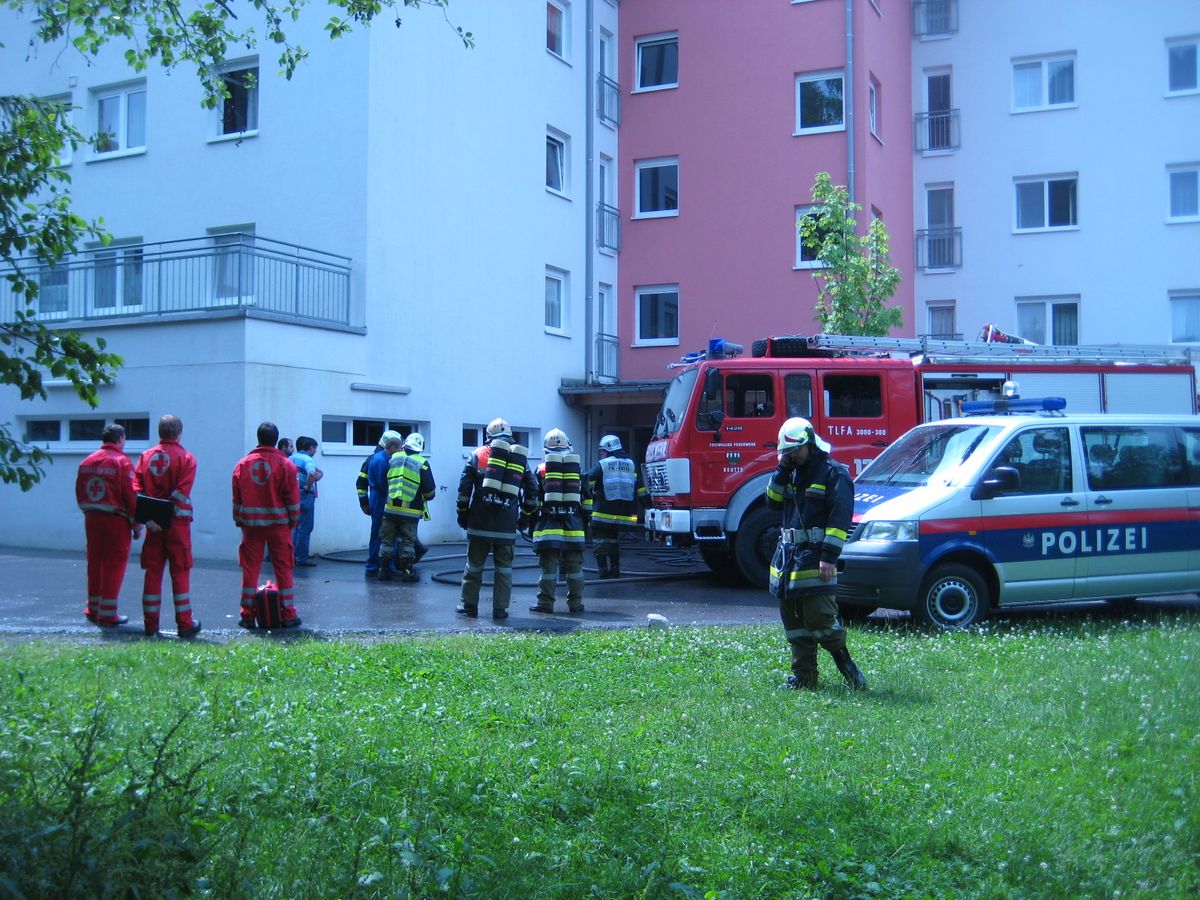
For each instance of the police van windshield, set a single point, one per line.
(670, 417)
(927, 455)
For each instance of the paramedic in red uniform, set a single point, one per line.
(104, 491)
(167, 471)
(266, 506)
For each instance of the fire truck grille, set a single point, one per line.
(656, 478)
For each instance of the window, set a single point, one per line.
(939, 127)
(1042, 457)
(934, 18)
(556, 28)
(239, 111)
(657, 311)
(77, 431)
(53, 287)
(1047, 203)
(940, 246)
(556, 300)
(233, 276)
(656, 182)
(1181, 66)
(556, 162)
(853, 396)
(819, 103)
(1053, 320)
(121, 118)
(873, 105)
(807, 250)
(473, 436)
(1043, 83)
(657, 62)
(350, 432)
(749, 396)
(941, 320)
(1139, 456)
(797, 392)
(1185, 317)
(116, 279)
(1184, 192)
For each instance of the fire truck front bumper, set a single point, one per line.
(685, 523)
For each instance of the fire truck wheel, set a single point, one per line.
(718, 558)
(952, 596)
(755, 545)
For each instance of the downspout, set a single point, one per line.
(589, 267)
(849, 95)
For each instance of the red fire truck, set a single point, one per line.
(712, 451)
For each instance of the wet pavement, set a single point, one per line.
(44, 593)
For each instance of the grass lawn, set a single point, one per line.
(1056, 758)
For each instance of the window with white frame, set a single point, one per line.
(116, 278)
(65, 431)
(1184, 186)
(474, 435)
(557, 285)
(873, 105)
(1049, 320)
(657, 62)
(656, 188)
(820, 104)
(942, 325)
(238, 113)
(557, 157)
(120, 118)
(1185, 317)
(557, 23)
(347, 432)
(1043, 83)
(1182, 75)
(657, 311)
(1044, 204)
(807, 250)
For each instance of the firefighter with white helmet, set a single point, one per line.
(410, 488)
(617, 496)
(816, 496)
(497, 495)
(371, 486)
(564, 505)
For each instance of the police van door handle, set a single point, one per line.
(1069, 501)
(1102, 500)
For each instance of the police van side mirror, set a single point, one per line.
(1000, 480)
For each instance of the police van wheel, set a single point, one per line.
(952, 596)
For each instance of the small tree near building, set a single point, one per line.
(856, 277)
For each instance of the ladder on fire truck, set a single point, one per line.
(934, 350)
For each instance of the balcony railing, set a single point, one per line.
(607, 356)
(608, 227)
(931, 18)
(608, 100)
(936, 130)
(939, 248)
(219, 272)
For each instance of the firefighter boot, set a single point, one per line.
(602, 565)
(614, 566)
(849, 670)
(804, 664)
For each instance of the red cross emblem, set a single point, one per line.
(260, 471)
(96, 489)
(159, 463)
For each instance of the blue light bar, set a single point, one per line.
(1007, 406)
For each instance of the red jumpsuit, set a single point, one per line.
(168, 472)
(104, 491)
(266, 506)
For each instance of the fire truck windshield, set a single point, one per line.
(933, 452)
(679, 392)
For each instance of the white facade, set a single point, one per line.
(1058, 93)
(421, 161)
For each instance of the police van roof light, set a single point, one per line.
(1005, 405)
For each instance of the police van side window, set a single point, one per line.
(1042, 457)
(798, 391)
(1129, 457)
(1191, 455)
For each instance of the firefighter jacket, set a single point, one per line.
(410, 485)
(817, 500)
(265, 490)
(104, 483)
(617, 492)
(168, 472)
(496, 490)
(565, 503)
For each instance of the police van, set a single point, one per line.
(1021, 503)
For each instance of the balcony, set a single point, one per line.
(939, 248)
(217, 272)
(608, 100)
(608, 227)
(934, 18)
(936, 130)
(607, 356)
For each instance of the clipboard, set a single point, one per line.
(153, 509)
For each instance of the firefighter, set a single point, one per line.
(816, 496)
(104, 491)
(371, 486)
(617, 494)
(410, 487)
(497, 496)
(266, 506)
(564, 507)
(167, 471)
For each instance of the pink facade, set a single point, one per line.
(742, 170)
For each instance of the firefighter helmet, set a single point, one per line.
(556, 439)
(414, 443)
(797, 432)
(390, 435)
(611, 443)
(498, 428)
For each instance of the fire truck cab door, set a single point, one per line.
(737, 424)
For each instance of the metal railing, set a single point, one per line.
(936, 130)
(608, 227)
(939, 248)
(934, 17)
(608, 100)
(607, 356)
(216, 272)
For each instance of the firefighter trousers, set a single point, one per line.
(108, 541)
(278, 538)
(570, 560)
(810, 618)
(502, 559)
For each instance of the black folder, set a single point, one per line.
(152, 509)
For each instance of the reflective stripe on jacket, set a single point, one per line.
(410, 485)
(265, 490)
(168, 471)
(104, 483)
